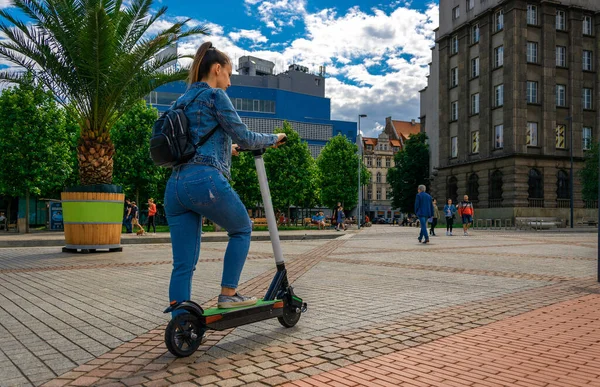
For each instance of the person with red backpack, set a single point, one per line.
(466, 212)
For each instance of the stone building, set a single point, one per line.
(511, 82)
(378, 156)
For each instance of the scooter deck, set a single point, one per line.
(220, 319)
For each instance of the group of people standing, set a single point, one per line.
(131, 216)
(426, 209)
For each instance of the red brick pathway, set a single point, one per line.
(558, 345)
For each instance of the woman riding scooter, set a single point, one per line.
(201, 187)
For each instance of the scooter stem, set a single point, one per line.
(270, 214)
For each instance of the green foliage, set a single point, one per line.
(245, 180)
(133, 168)
(97, 58)
(411, 169)
(338, 167)
(36, 140)
(291, 171)
(589, 174)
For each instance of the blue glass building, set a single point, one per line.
(264, 100)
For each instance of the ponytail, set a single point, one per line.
(205, 57)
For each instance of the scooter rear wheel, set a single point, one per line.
(290, 316)
(184, 335)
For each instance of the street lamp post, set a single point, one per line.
(359, 143)
(570, 119)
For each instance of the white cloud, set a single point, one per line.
(277, 13)
(5, 3)
(253, 35)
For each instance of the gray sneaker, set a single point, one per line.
(235, 301)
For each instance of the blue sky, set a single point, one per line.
(376, 52)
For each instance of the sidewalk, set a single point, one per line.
(54, 238)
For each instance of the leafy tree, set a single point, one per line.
(245, 180)
(291, 170)
(411, 169)
(338, 164)
(98, 59)
(133, 168)
(589, 174)
(36, 144)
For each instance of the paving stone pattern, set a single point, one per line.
(370, 294)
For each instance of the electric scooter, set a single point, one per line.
(185, 332)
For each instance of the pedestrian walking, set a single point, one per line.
(201, 186)
(340, 219)
(466, 212)
(151, 215)
(449, 213)
(334, 214)
(127, 217)
(135, 218)
(434, 219)
(424, 210)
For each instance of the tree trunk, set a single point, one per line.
(95, 155)
(137, 197)
(27, 211)
(289, 213)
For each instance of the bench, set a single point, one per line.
(541, 223)
(259, 222)
(588, 222)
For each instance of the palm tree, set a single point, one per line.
(98, 59)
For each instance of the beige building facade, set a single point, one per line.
(515, 81)
(378, 156)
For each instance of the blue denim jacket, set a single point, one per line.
(213, 108)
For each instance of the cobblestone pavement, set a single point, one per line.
(96, 319)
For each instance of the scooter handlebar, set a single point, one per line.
(258, 152)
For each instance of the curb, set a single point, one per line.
(144, 241)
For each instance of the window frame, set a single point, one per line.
(532, 10)
(558, 129)
(564, 95)
(453, 111)
(454, 147)
(501, 130)
(470, 4)
(498, 56)
(456, 13)
(590, 60)
(563, 26)
(475, 103)
(587, 140)
(591, 25)
(534, 54)
(475, 34)
(453, 77)
(584, 97)
(499, 92)
(561, 58)
(499, 20)
(475, 142)
(532, 98)
(475, 68)
(532, 132)
(454, 45)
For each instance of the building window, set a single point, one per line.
(499, 20)
(454, 111)
(498, 56)
(454, 150)
(532, 134)
(475, 67)
(475, 103)
(378, 193)
(588, 26)
(532, 88)
(369, 162)
(532, 52)
(496, 186)
(475, 34)
(388, 162)
(561, 95)
(454, 45)
(470, 4)
(473, 187)
(588, 57)
(454, 77)
(370, 194)
(587, 138)
(536, 188)
(562, 185)
(379, 163)
(253, 105)
(561, 136)
(499, 136)
(587, 99)
(452, 189)
(455, 13)
(475, 142)
(532, 15)
(499, 95)
(561, 20)
(378, 178)
(561, 56)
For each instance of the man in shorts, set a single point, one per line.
(466, 212)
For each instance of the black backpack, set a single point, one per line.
(171, 142)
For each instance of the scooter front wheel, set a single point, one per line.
(184, 335)
(290, 316)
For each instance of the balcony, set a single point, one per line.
(563, 203)
(536, 203)
(593, 204)
(495, 203)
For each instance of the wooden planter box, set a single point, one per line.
(93, 220)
